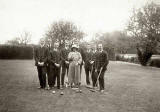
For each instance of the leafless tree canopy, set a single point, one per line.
(24, 38)
(62, 31)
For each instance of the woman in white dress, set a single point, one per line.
(75, 60)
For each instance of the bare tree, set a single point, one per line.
(24, 38)
(117, 40)
(14, 41)
(63, 30)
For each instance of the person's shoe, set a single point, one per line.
(52, 87)
(75, 88)
(78, 91)
(39, 87)
(95, 88)
(61, 88)
(102, 91)
(45, 88)
(92, 90)
(88, 86)
(61, 93)
(49, 88)
(66, 85)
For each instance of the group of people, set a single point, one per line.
(54, 65)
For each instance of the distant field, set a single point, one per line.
(129, 88)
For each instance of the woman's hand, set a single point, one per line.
(77, 64)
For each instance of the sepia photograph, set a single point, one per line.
(79, 55)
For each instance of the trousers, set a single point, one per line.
(42, 76)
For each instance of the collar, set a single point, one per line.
(55, 49)
(101, 51)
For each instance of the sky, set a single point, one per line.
(35, 16)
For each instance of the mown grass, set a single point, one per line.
(129, 88)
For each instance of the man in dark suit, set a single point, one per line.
(101, 65)
(64, 62)
(54, 60)
(93, 60)
(47, 64)
(40, 56)
(87, 65)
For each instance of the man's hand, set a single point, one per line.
(95, 70)
(77, 64)
(91, 62)
(67, 62)
(57, 65)
(41, 63)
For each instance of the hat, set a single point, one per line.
(74, 46)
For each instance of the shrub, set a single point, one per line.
(118, 58)
(16, 52)
(154, 63)
(143, 57)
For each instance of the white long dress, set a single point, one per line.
(74, 67)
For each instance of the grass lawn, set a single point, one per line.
(129, 88)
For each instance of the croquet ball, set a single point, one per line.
(62, 93)
(53, 92)
(80, 91)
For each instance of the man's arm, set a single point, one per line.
(36, 56)
(58, 59)
(61, 55)
(46, 55)
(50, 58)
(106, 60)
(83, 57)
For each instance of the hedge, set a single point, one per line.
(154, 61)
(16, 52)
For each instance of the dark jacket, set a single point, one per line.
(64, 56)
(94, 58)
(82, 54)
(40, 55)
(101, 60)
(88, 58)
(54, 57)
